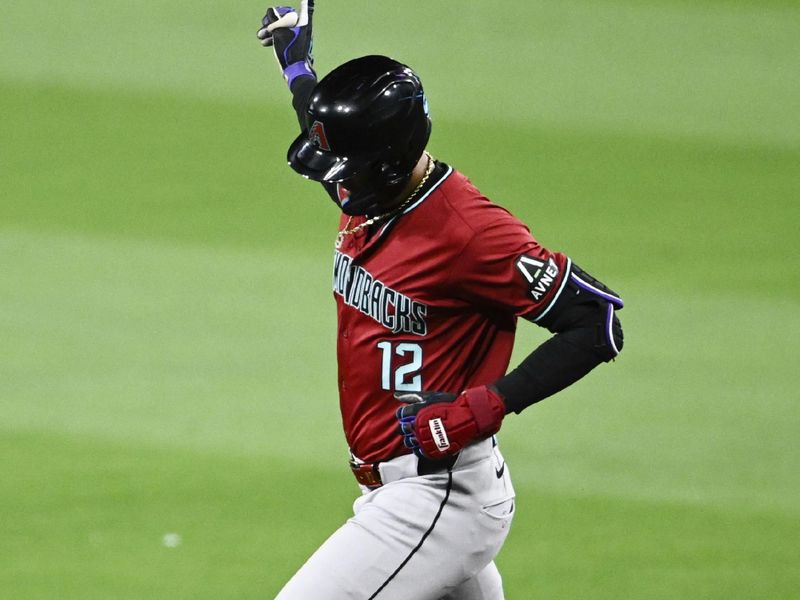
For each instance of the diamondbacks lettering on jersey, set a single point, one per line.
(540, 275)
(359, 289)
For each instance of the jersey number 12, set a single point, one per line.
(406, 377)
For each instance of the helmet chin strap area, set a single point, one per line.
(373, 190)
(371, 199)
(368, 202)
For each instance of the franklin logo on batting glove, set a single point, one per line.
(439, 435)
(438, 424)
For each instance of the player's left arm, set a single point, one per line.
(582, 315)
(548, 289)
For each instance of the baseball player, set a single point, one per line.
(429, 278)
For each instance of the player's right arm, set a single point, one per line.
(289, 32)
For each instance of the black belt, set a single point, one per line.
(368, 474)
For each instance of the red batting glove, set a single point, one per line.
(438, 424)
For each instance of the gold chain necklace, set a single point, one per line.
(375, 219)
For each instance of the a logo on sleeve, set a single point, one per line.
(539, 274)
(318, 137)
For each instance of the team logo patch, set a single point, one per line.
(539, 274)
(439, 434)
(318, 137)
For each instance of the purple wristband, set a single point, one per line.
(295, 70)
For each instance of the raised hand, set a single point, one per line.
(289, 32)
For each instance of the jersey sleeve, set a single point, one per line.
(503, 268)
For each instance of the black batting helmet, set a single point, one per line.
(367, 119)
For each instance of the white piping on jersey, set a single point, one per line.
(418, 202)
(560, 289)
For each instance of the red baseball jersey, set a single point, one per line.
(429, 301)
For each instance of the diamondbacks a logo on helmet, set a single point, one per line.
(540, 275)
(317, 136)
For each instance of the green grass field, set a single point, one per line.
(167, 327)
